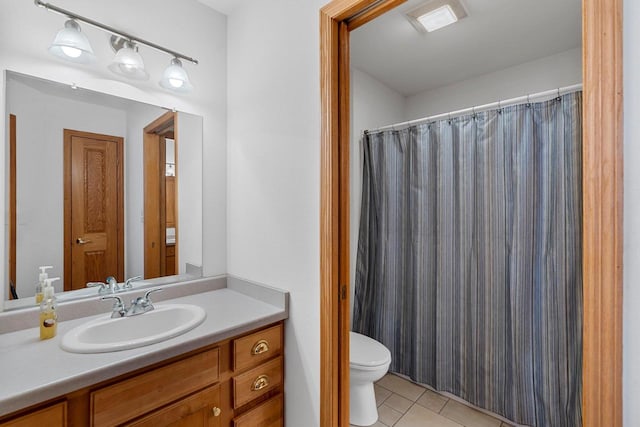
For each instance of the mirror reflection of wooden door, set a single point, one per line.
(94, 208)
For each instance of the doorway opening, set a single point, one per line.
(602, 207)
(161, 251)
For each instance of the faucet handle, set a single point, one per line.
(104, 288)
(128, 285)
(118, 309)
(146, 295)
(95, 284)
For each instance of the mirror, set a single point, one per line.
(97, 186)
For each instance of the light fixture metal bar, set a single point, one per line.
(112, 30)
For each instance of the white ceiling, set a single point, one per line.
(223, 6)
(496, 34)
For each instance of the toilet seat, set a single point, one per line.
(366, 353)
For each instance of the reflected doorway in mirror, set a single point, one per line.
(160, 195)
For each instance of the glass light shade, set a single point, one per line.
(175, 78)
(129, 63)
(70, 44)
(438, 18)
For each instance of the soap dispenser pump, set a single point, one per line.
(48, 314)
(41, 278)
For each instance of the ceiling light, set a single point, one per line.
(436, 14)
(129, 63)
(436, 19)
(70, 44)
(175, 77)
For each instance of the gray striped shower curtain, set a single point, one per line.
(469, 257)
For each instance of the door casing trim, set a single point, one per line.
(602, 207)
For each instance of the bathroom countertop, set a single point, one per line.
(36, 371)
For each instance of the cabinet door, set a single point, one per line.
(128, 399)
(51, 416)
(201, 409)
(267, 414)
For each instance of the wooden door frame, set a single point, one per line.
(602, 207)
(164, 126)
(13, 230)
(119, 172)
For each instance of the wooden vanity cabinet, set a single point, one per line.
(234, 383)
(51, 416)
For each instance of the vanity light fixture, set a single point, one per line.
(128, 62)
(436, 14)
(71, 44)
(74, 46)
(175, 77)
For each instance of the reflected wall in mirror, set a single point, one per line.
(98, 186)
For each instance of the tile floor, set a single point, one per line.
(402, 403)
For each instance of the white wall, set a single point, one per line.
(551, 72)
(372, 105)
(186, 26)
(274, 175)
(40, 121)
(631, 250)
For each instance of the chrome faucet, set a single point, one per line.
(112, 284)
(118, 309)
(138, 306)
(141, 304)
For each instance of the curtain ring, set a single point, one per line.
(528, 100)
(559, 98)
(449, 118)
(499, 107)
(473, 112)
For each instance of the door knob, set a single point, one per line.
(216, 411)
(81, 241)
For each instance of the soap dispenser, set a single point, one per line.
(39, 287)
(48, 314)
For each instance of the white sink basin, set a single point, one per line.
(106, 334)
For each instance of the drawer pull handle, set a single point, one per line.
(261, 346)
(261, 382)
(216, 411)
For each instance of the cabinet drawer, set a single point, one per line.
(51, 416)
(253, 349)
(123, 401)
(267, 414)
(257, 382)
(170, 250)
(202, 409)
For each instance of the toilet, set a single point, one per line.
(369, 360)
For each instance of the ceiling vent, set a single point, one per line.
(436, 14)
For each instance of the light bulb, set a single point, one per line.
(71, 52)
(176, 82)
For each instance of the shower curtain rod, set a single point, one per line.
(540, 96)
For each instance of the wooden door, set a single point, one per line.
(94, 208)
